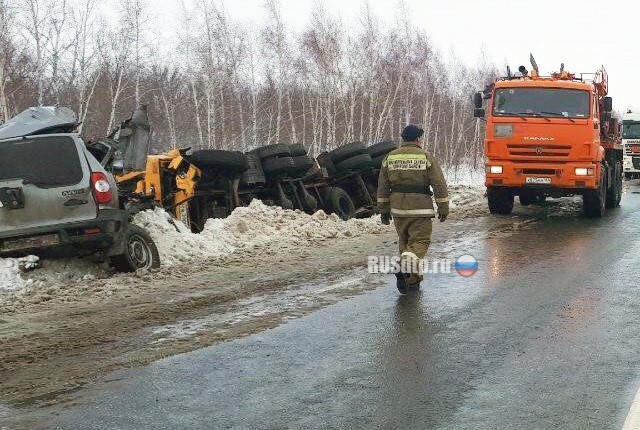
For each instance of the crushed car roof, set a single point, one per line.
(39, 120)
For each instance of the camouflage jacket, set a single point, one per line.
(406, 178)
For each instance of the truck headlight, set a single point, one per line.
(583, 171)
(496, 170)
(503, 130)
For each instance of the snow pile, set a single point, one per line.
(466, 186)
(256, 225)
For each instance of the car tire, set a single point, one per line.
(275, 150)
(140, 252)
(382, 148)
(277, 166)
(356, 163)
(337, 201)
(347, 151)
(500, 201)
(297, 150)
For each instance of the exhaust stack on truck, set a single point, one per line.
(550, 136)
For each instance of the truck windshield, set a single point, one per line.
(547, 102)
(630, 130)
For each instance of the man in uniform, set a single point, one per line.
(404, 192)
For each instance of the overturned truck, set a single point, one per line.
(197, 185)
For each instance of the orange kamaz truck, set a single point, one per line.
(550, 136)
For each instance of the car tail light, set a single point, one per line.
(101, 188)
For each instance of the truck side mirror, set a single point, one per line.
(478, 113)
(477, 100)
(607, 104)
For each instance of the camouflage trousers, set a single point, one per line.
(414, 237)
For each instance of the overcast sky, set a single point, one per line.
(583, 34)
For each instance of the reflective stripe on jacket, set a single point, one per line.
(406, 178)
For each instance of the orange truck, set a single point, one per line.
(550, 136)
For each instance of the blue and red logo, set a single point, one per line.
(466, 265)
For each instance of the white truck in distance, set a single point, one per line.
(631, 144)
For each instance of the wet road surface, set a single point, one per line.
(546, 335)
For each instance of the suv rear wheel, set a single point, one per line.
(140, 252)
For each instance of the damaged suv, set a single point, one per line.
(57, 200)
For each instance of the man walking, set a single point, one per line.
(404, 192)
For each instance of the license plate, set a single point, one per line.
(30, 242)
(537, 180)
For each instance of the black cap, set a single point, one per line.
(411, 133)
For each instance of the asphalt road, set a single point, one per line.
(545, 336)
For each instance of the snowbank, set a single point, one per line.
(256, 225)
(466, 186)
(247, 228)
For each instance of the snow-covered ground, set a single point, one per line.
(247, 228)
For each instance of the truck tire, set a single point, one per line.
(324, 160)
(314, 173)
(347, 151)
(276, 166)
(229, 161)
(337, 201)
(357, 162)
(614, 192)
(140, 252)
(275, 150)
(500, 201)
(594, 201)
(297, 150)
(382, 148)
(301, 166)
(527, 199)
(377, 161)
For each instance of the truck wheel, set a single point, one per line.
(301, 165)
(593, 201)
(276, 150)
(527, 199)
(273, 166)
(382, 148)
(232, 162)
(347, 151)
(140, 252)
(324, 160)
(614, 192)
(337, 201)
(500, 201)
(297, 150)
(358, 162)
(377, 161)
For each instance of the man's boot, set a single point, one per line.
(401, 283)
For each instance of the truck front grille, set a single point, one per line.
(539, 151)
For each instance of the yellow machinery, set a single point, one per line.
(169, 179)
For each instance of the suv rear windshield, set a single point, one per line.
(548, 102)
(46, 161)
